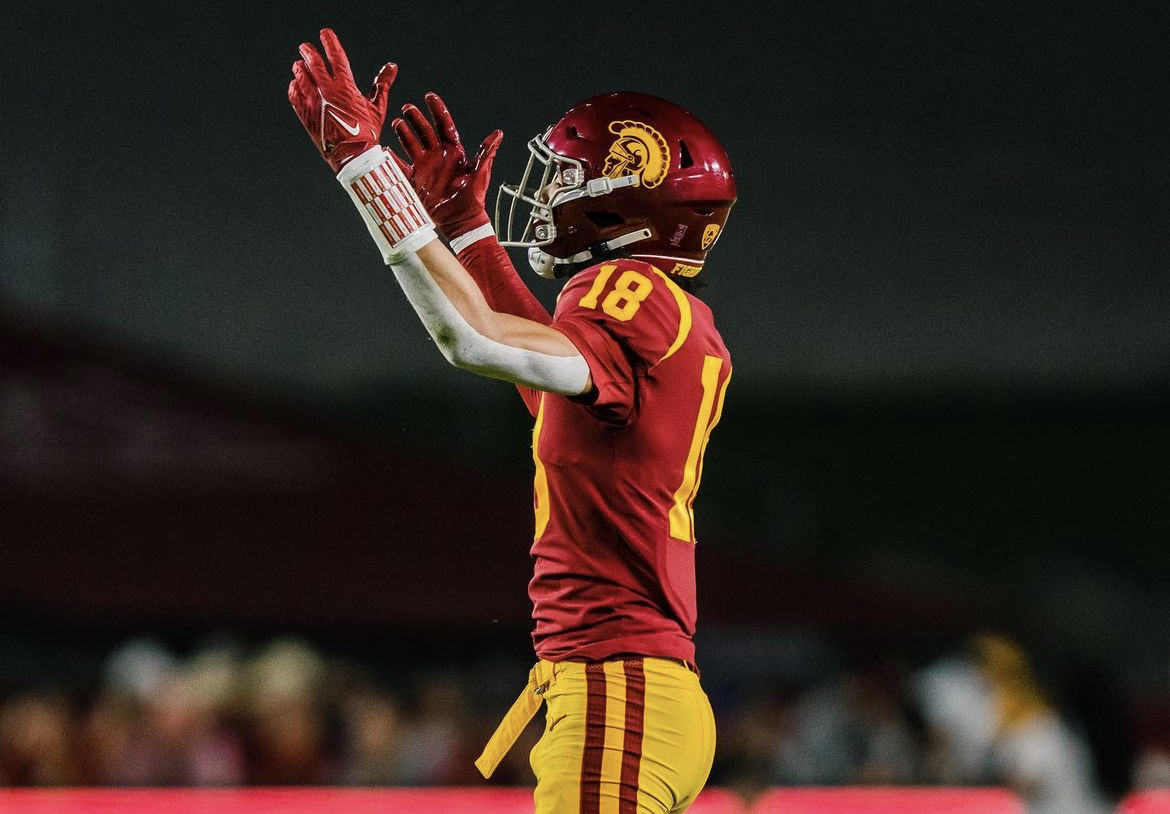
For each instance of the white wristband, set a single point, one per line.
(388, 204)
(477, 234)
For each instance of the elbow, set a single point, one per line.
(457, 359)
(469, 355)
(447, 341)
(462, 344)
(456, 349)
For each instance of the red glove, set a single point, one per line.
(341, 121)
(452, 188)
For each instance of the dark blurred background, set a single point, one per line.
(224, 434)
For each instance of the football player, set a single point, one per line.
(623, 197)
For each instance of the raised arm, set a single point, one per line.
(453, 187)
(471, 334)
(474, 337)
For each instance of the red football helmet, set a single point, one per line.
(621, 174)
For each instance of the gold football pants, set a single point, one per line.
(630, 736)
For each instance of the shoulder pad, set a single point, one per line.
(635, 302)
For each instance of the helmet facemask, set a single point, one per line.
(528, 220)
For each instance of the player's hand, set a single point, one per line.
(341, 121)
(451, 186)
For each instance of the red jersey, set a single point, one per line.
(616, 474)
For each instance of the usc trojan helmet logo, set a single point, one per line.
(638, 150)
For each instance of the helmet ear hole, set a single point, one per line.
(603, 220)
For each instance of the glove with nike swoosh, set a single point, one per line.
(341, 121)
(452, 188)
(346, 125)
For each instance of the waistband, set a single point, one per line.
(542, 675)
(548, 669)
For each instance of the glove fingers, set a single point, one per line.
(407, 138)
(302, 93)
(294, 86)
(381, 91)
(442, 116)
(294, 95)
(303, 78)
(426, 131)
(314, 63)
(487, 153)
(337, 57)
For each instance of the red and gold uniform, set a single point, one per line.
(616, 477)
(628, 727)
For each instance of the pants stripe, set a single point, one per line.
(615, 736)
(635, 723)
(594, 738)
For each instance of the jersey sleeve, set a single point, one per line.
(625, 318)
(489, 265)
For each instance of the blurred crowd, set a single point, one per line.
(979, 716)
(283, 712)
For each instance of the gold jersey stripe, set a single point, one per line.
(682, 519)
(540, 481)
(706, 440)
(684, 315)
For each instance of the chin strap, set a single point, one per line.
(545, 264)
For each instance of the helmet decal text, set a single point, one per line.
(638, 150)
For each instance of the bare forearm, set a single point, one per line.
(467, 298)
(474, 337)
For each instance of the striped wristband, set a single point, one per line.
(392, 212)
